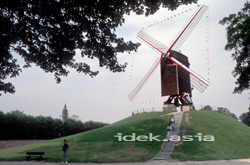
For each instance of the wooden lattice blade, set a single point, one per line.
(199, 83)
(151, 42)
(137, 89)
(188, 28)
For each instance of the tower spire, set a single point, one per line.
(65, 112)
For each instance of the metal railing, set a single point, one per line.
(152, 109)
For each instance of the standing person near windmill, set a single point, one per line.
(168, 132)
(172, 121)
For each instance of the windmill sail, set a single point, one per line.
(153, 43)
(137, 89)
(160, 48)
(199, 83)
(188, 28)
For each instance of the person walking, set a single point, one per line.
(172, 122)
(168, 132)
(65, 150)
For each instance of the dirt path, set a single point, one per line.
(187, 118)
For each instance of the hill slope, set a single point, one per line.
(232, 138)
(100, 145)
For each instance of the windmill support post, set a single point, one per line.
(173, 108)
(169, 107)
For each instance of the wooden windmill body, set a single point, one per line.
(174, 81)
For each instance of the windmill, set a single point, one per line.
(176, 76)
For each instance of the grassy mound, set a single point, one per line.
(100, 145)
(232, 138)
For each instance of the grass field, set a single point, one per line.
(100, 145)
(232, 138)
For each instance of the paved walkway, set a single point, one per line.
(168, 146)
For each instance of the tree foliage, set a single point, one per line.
(245, 118)
(17, 125)
(226, 111)
(207, 107)
(238, 40)
(47, 33)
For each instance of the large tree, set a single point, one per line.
(238, 40)
(245, 118)
(48, 32)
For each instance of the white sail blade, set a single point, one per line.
(151, 42)
(138, 88)
(188, 28)
(199, 83)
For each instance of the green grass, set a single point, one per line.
(100, 145)
(232, 138)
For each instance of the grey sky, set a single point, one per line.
(104, 98)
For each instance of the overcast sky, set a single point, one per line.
(104, 98)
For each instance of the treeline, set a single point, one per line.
(221, 110)
(17, 125)
(244, 117)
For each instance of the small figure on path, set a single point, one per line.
(65, 150)
(168, 132)
(172, 122)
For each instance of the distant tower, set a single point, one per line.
(65, 113)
